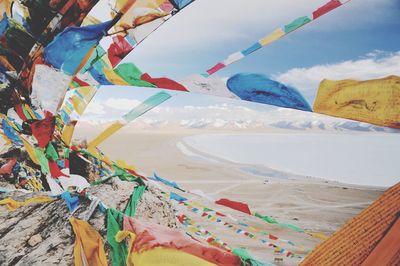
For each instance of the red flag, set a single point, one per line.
(272, 237)
(20, 112)
(118, 50)
(181, 218)
(80, 82)
(163, 83)
(326, 8)
(135, 174)
(7, 168)
(239, 206)
(43, 129)
(215, 68)
(55, 170)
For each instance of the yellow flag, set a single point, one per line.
(30, 150)
(87, 92)
(373, 101)
(30, 111)
(124, 4)
(67, 133)
(278, 33)
(140, 9)
(158, 256)
(90, 20)
(123, 164)
(89, 247)
(319, 235)
(113, 77)
(5, 6)
(105, 135)
(12, 205)
(78, 103)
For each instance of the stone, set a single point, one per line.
(34, 240)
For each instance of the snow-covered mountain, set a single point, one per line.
(239, 118)
(332, 126)
(208, 123)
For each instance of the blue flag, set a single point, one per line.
(70, 47)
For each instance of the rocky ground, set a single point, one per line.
(40, 233)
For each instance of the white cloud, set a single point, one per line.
(95, 108)
(375, 65)
(115, 107)
(122, 104)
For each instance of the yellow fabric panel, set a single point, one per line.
(141, 8)
(124, 5)
(319, 235)
(30, 150)
(167, 257)
(123, 164)
(12, 205)
(105, 134)
(278, 33)
(372, 101)
(87, 92)
(159, 256)
(113, 77)
(90, 20)
(31, 113)
(139, 3)
(89, 247)
(67, 133)
(5, 6)
(78, 104)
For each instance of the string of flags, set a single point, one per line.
(205, 214)
(199, 231)
(239, 231)
(239, 206)
(276, 35)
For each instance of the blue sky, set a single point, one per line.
(201, 36)
(359, 40)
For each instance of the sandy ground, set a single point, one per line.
(311, 204)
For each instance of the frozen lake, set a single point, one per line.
(364, 159)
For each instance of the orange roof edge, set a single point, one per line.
(370, 238)
(387, 252)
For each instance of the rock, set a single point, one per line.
(34, 240)
(40, 234)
